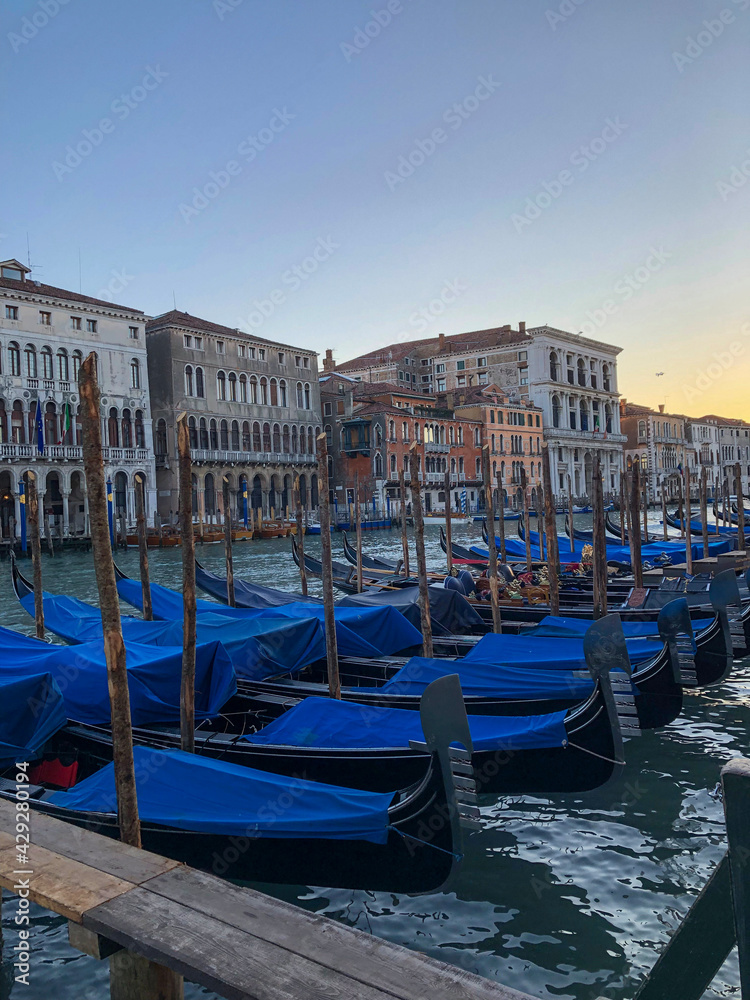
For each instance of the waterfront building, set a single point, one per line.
(659, 442)
(45, 333)
(253, 409)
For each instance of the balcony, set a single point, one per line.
(433, 446)
(201, 455)
(110, 454)
(12, 452)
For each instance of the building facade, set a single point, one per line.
(45, 334)
(253, 409)
(659, 442)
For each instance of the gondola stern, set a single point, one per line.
(676, 632)
(608, 662)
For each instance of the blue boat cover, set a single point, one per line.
(189, 792)
(450, 612)
(486, 680)
(325, 722)
(258, 648)
(31, 710)
(554, 625)
(517, 548)
(246, 594)
(360, 631)
(154, 677)
(558, 652)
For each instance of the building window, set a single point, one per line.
(11, 312)
(243, 390)
(523, 355)
(307, 396)
(441, 385)
(233, 387)
(45, 318)
(460, 366)
(63, 368)
(91, 325)
(327, 409)
(220, 347)
(241, 351)
(282, 358)
(47, 371)
(261, 354)
(77, 362)
(198, 343)
(221, 386)
(134, 332)
(481, 362)
(189, 385)
(439, 369)
(524, 380)
(200, 388)
(187, 340)
(135, 374)
(30, 352)
(484, 378)
(461, 380)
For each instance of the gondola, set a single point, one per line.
(246, 594)
(379, 566)
(338, 742)
(696, 527)
(460, 554)
(344, 575)
(254, 825)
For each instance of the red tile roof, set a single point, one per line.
(38, 288)
(456, 343)
(184, 320)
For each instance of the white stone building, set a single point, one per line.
(574, 380)
(45, 333)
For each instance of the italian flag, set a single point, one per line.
(65, 423)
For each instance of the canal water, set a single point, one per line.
(568, 896)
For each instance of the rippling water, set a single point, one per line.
(569, 896)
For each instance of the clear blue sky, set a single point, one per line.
(341, 109)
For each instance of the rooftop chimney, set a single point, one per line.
(522, 328)
(329, 365)
(661, 407)
(441, 341)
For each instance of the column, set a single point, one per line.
(66, 513)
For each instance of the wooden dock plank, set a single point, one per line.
(59, 883)
(405, 974)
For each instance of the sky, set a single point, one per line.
(345, 174)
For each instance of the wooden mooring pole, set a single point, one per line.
(32, 504)
(704, 510)
(634, 527)
(300, 537)
(570, 513)
(682, 504)
(491, 543)
(526, 525)
(688, 536)
(623, 510)
(645, 508)
(226, 502)
(140, 523)
(189, 629)
(358, 530)
(324, 499)
(501, 517)
(599, 541)
(664, 524)
(448, 523)
(104, 568)
(404, 536)
(740, 507)
(424, 591)
(550, 520)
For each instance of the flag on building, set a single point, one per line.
(64, 422)
(39, 428)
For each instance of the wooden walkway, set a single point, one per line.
(237, 942)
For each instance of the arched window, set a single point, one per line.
(213, 434)
(140, 430)
(329, 435)
(584, 409)
(460, 435)
(392, 430)
(221, 385)
(307, 396)
(113, 429)
(135, 373)
(264, 391)
(451, 434)
(606, 382)
(554, 367)
(50, 423)
(556, 411)
(246, 439)
(243, 388)
(14, 356)
(63, 366)
(203, 434)
(608, 418)
(30, 352)
(274, 392)
(300, 396)
(47, 370)
(17, 423)
(160, 438)
(253, 389)
(235, 436)
(283, 400)
(189, 384)
(192, 432)
(378, 465)
(294, 441)
(416, 432)
(256, 437)
(276, 439)
(200, 384)
(266, 437)
(311, 441)
(641, 428)
(209, 494)
(581, 372)
(77, 362)
(285, 439)
(378, 436)
(224, 435)
(393, 465)
(233, 387)
(127, 429)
